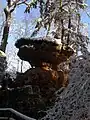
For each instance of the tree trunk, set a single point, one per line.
(6, 29)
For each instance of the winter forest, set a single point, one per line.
(44, 60)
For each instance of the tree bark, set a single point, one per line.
(6, 29)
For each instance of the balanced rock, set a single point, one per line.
(38, 50)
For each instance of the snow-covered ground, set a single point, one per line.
(74, 102)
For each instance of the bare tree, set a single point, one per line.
(8, 10)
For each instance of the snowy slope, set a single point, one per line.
(74, 102)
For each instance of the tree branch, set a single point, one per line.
(9, 3)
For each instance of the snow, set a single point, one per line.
(74, 102)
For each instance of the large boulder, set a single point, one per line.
(39, 50)
(34, 90)
(44, 78)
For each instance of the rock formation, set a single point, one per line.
(46, 55)
(37, 51)
(33, 91)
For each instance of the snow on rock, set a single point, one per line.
(74, 102)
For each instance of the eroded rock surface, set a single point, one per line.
(33, 92)
(36, 51)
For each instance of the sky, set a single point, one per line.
(85, 18)
(14, 62)
(20, 10)
(19, 13)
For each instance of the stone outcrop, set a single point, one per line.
(41, 77)
(37, 51)
(44, 55)
(33, 92)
